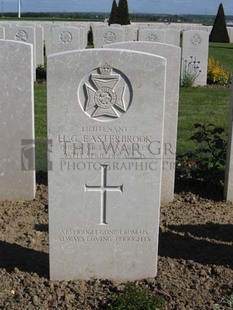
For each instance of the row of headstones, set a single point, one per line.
(66, 36)
(55, 37)
(104, 35)
(113, 129)
(178, 26)
(59, 39)
(150, 32)
(195, 45)
(183, 27)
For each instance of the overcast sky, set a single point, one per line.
(135, 6)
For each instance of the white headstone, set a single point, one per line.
(48, 30)
(2, 33)
(151, 35)
(115, 25)
(230, 33)
(65, 39)
(17, 171)
(172, 54)
(228, 185)
(152, 25)
(83, 36)
(107, 35)
(131, 32)
(95, 26)
(172, 36)
(23, 34)
(195, 49)
(83, 29)
(104, 188)
(39, 46)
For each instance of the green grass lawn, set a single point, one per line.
(40, 111)
(40, 126)
(197, 105)
(223, 52)
(200, 105)
(205, 105)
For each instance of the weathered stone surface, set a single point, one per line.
(228, 186)
(17, 172)
(104, 189)
(107, 35)
(172, 36)
(39, 45)
(172, 54)
(151, 35)
(23, 34)
(195, 49)
(65, 39)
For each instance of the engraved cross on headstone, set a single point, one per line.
(103, 188)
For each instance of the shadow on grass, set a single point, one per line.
(27, 260)
(173, 245)
(222, 47)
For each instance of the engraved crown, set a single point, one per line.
(105, 69)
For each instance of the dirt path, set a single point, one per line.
(195, 259)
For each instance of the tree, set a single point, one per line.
(114, 15)
(123, 12)
(219, 31)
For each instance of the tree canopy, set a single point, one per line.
(114, 15)
(219, 31)
(119, 13)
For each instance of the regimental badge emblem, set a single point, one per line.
(196, 39)
(21, 35)
(152, 37)
(105, 94)
(109, 37)
(65, 37)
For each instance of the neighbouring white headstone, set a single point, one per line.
(2, 33)
(228, 185)
(115, 25)
(230, 33)
(151, 35)
(83, 36)
(26, 35)
(172, 54)
(84, 28)
(152, 25)
(104, 188)
(65, 39)
(94, 27)
(22, 34)
(195, 49)
(17, 172)
(131, 32)
(172, 36)
(107, 35)
(39, 46)
(48, 30)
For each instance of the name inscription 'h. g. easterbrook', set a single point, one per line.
(111, 146)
